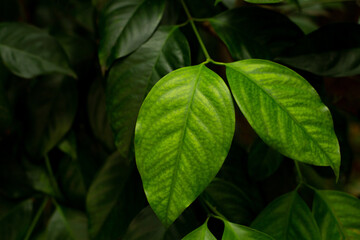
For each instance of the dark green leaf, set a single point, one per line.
(67, 224)
(251, 32)
(114, 198)
(287, 217)
(337, 214)
(125, 25)
(263, 160)
(201, 233)
(183, 134)
(52, 104)
(333, 50)
(230, 201)
(234, 231)
(285, 111)
(15, 219)
(131, 79)
(28, 51)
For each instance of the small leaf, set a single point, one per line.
(287, 217)
(263, 160)
(252, 32)
(15, 219)
(337, 214)
(234, 231)
(130, 80)
(201, 233)
(332, 50)
(183, 134)
(114, 198)
(285, 111)
(67, 224)
(125, 25)
(29, 52)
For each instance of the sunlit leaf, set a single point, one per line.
(337, 214)
(285, 111)
(28, 51)
(234, 231)
(287, 217)
(125, 25)
(201, 233)
(130, 80)
(183, 134)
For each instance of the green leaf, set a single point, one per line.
(67, 224)
(130, 80)
(234, 231)
(125, 25)
(337, 214)
(263, 160)
(28, 51)
(114, 198)
(15, 219)
(52, 104)
(183, 134)
(230, 201)
(287, 217)
(285, 111)
(332, 50)
(263, 1)
(201, 233)
(252, 32)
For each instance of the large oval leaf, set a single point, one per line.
(234, 231)
(131, 79)
(337, 214)
(28, 51)
(285, 111)
(201, 233)
(125, 25)
(252, 32)
(333, 50)
(183, 134)
(287, 217)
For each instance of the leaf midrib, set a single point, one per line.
(284, 110)
(177, 158)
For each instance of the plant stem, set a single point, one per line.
(191, 20)
(301, 179)
(36, 219)
(52, 177)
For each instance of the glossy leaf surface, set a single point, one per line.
(285, 111)
(234, 231)
(28, 51)
(293, 219)
(125, 25)
(114, 198)
(332, 50)
(130, 80)
(67, 224)
(337, 214)
(201, 233)
(251, 32)
(183, 134)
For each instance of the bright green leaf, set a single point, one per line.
(337, 214)
(234, 231)
(286, 218)
(332, 50)
(285, 111)
(201, 233)
(183, 134)
(125, 25)
(67, 224)
(131, 79)
(114, 198)
(28, 51)
(15, 219)
(252, 32)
